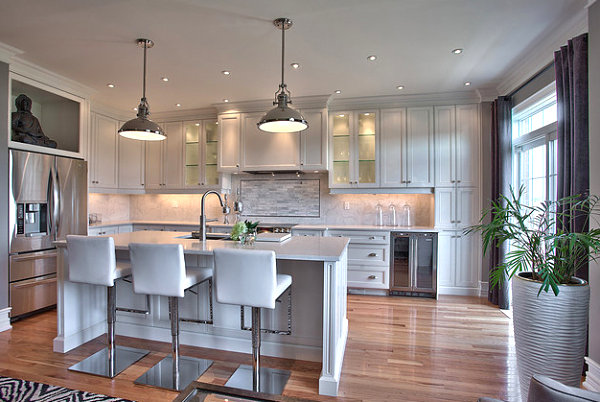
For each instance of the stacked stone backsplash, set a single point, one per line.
(279, 199)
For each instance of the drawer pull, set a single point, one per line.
(372, 277)
(372, 254)
(372, 238)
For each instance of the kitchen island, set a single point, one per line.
(318, 266)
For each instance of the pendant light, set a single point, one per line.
(282, 118)
(142, 128)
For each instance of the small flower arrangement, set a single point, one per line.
(245, 231)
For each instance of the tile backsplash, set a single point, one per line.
(284, 199)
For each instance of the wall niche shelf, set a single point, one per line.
(61, 116)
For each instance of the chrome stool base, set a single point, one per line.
(99, 362)
(164, 375)
(272, 381)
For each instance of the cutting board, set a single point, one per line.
(273, 237)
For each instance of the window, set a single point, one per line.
(534, 146)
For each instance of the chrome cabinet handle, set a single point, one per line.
(372, 254)
(409, 181)
(237, 165)
(458, 181)
(372, 277)
(452, 221)
(452, 181)
(372, 238)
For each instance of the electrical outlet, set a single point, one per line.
(346, 205)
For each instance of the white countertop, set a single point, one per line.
(306, 248)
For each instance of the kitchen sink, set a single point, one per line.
(209, 236)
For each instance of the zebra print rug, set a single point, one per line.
(15, 390)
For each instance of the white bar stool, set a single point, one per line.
(92, 260)
(159, 269)
(249, 278)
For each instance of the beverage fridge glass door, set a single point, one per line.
(71, 184)
(401, 260)
(424, 277)
(30, 201)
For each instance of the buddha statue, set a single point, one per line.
(26, 127)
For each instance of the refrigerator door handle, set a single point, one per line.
(55, 202)
(411, 261)
(50, 201)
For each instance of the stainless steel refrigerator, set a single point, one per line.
(47, 201)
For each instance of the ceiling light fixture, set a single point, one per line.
(142, 128)
(225, 72)
(457, 51)
(467, 83)
(178, 104)
(337, 91)
(110, 85)
(400, 87)
(372, 57)
(295, 66)
(225, 100)
(165, 79)
(282, 118)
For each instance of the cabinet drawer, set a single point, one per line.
(137, 228)
(103, 230)
(307, 232)
(372, 279)
(357, 236)
(32, 294)
(368, 254)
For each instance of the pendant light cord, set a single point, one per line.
(282, 54)
(144, 86)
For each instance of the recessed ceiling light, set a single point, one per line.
(372, 57)
(337, 91)
(135, 109)
(165, 79)
(110, 85)
(217, 123)
(400, 87)
(457, 51)
(341, 115)
(225, 72)
(367, 114)
(295, 66)
(197, 124)
(467, 83)
(178, 104)
(225, 100)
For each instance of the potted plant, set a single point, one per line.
(550, 304)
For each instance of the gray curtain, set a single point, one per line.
(501, 180)
(571, 65)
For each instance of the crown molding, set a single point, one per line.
(110, 111)
(7, 52)
(391, 101)
(47, 77)
(262, 105)
(541, 53)
(187, 114)
(589, 3)
(487, 94)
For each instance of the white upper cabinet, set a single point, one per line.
(229, 142)
(457, 146)
(407, 147)
(313, 140)
(164, 159)
(267, 151)
(131, 163)
(153, 171)
(103, 156)
(456, 207)
(354, 149)
(200, 153)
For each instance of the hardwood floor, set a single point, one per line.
(452, 349)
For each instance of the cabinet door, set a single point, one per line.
(446, 262)
(192, 140)
(153, 166)
(209, 150)
(445, 136)
(173, 156)
(313, 140)
(445, 208)
(131, 163)
(266, 151)
(341, 171)
(467, 145)
(418, 153)
(468, 211)
(229, 143)
(366, 150)
(467, 261)
(105, 152)
(393, 134)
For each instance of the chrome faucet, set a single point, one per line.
(203, 219)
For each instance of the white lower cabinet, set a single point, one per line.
(456, 207)
(368, 258)
(103, 230)
(308, 232)
(459, 263)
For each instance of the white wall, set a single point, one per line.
(594, 107)
(4, 185)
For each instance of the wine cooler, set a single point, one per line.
(414, 264)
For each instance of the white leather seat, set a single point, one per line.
(159, 269)
(91, 260)
(248, 278)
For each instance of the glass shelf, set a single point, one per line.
(341, 161)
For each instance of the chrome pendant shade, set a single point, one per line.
(142, 128)
(282, 118)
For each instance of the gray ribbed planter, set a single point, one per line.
(550, 331)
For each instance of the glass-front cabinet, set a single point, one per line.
(201, 139)
(354, 149)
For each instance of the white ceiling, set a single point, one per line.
(92, 42)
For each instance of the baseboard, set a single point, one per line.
(62, 344)
(455, 291)
(592, 376)
(5, 319)
(484, 288)
(367, 292)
